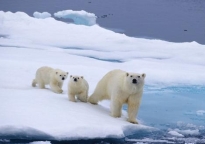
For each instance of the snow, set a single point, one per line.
(79, 17)
(42, 15)
(28, 43)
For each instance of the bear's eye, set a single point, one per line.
(131, 76)
(138, 76)
(64, 75)
(60, 75)
(78, 78)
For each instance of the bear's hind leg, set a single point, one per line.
(41, 84)
(55, 88)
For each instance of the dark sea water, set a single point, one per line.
(170, 20)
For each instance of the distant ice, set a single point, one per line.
(79, 17)
(200, 112)
(42, 15)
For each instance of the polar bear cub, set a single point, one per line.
(49, 76)
(120, 87)
(78, 86)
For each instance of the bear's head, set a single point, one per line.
(76, 79)
(60, 75)
(135, 82)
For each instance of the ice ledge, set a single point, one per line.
(28, 133)
(41, 114)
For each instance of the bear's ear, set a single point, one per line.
(82, 77)
(127, 74)
(71, 76)
(143, 75)
(56, 72)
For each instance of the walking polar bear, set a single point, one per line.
(78, 86)
(49, 76)
(120, 87)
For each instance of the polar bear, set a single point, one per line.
(78, 86)
(120, 87)
(47, 75)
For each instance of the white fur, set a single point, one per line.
(118, 86)
(78, 88)
(49, 76)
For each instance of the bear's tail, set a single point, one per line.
(34, 83)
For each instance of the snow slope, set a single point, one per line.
(28, 43)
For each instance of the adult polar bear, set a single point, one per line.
(120, 87)
(47, 75)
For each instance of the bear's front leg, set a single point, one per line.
(71, 97)
(82, 96)
(55, 88)
(133, 106)
(60, 85)
(116, 107)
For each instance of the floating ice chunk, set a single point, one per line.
(79, 17)
(175, 133)
(42, 15)
(200, 112)
(188, 132)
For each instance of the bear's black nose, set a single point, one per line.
(134, 81)
(75, 79)
(63, 78)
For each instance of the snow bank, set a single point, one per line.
(42, 15)
(79, 17)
